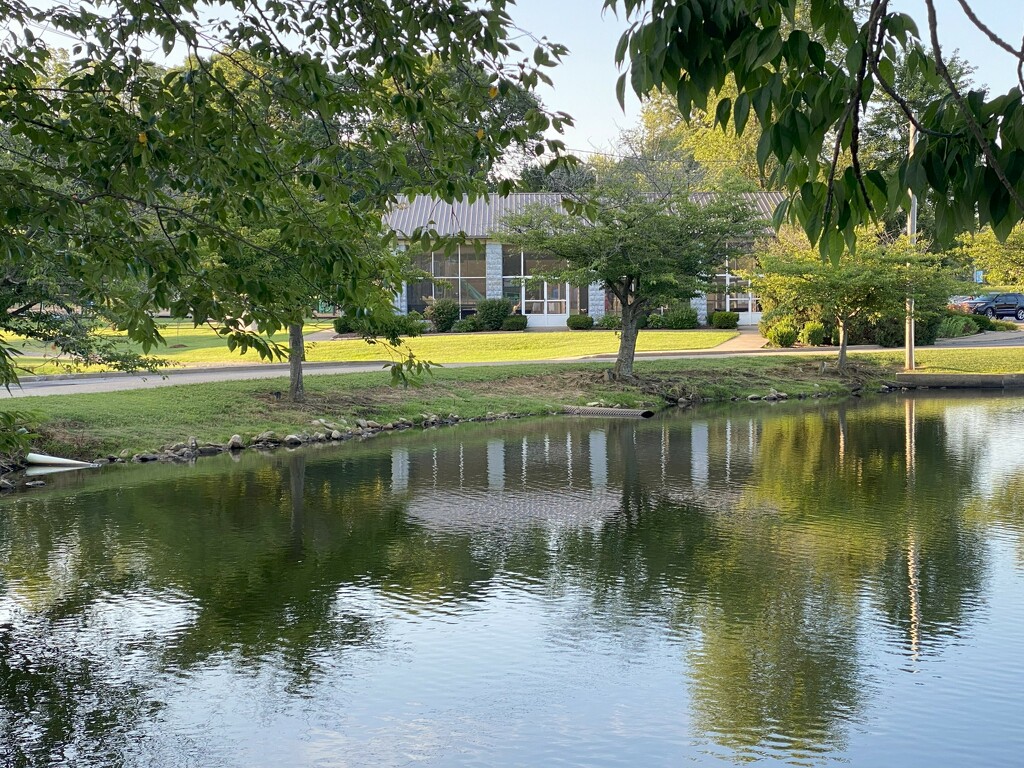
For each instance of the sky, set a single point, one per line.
(585, 80)
(584, 83)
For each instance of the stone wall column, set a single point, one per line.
(493, 270)
(595, 299)
(700, 303)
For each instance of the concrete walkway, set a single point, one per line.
(748, 342)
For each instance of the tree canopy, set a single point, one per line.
(808, 104)
(647, 248)
(118, 170)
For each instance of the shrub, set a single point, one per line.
(1003, 325)
(984, 322)
(388, 324)
(955, 325)
(580, 322)
(610, 322)
(514, 323)
(682, 318)
(889, 332)
(812, 334)
(492, 312)
(927, 329)
(443, 313)
(782, 334)
(723, 320)
(469, 324)
(656, 322)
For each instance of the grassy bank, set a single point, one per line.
(86, 426)
(89, 425)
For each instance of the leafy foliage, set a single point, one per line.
(646, 245)
(493, 312)
(783, 334)
(133, 179)
(470, 324)
(809, 105)
(443, 313)
(609, 322)
(15, 435)
(812, 334)
(862, 296)
(957, 324)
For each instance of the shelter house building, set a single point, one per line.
(483, 267)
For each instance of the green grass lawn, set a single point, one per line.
(201, 346)
(930, 360)
(91, 424)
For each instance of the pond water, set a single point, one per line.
(808, 584)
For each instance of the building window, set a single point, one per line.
(458, 275)
(733, 293)
(534, 297)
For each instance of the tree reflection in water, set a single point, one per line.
(762, 542)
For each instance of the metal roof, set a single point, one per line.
(480, 218)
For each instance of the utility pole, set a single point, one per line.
(909, 363)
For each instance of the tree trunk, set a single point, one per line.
(627, 341)
(296, 354)
(843, 335)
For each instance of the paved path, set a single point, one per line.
(748, 342)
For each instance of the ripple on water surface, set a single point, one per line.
(813, 584)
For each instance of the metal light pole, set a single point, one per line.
(909, 363)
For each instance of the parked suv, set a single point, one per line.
(998, 305)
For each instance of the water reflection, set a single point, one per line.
(761, 571)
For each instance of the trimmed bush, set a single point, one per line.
(782, 334)
(342, 324)
(954, 326)
(610, 322)
(812, 334)
(469, 324)
(514, 323)
(492, 313)
(1003, 325)
(725, 320)
(580, 322)
(443, 313)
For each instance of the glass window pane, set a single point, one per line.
(533, 308)
(534, 291)
(474, 260)
(584, 299)
(421, 261)
(446, 289)
(556, 307)
(556, 290)
(420, 294)
(538, 264)
(511, 261)
(446, 265)
(513, 291)
(473, 291)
